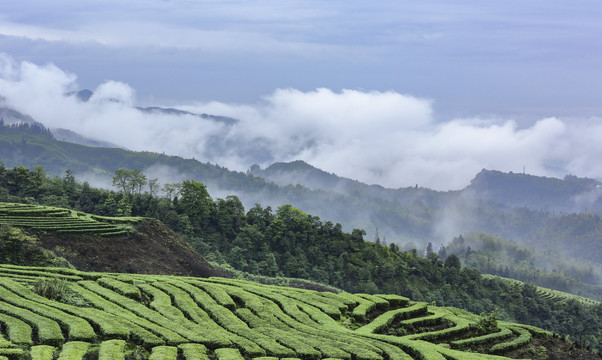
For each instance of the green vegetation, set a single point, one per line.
(497, 256)
(549, 294)
(287, 243)
(265, 320)
(42, 352)
(403, 215)
(60, 221)
(74, 350)
(112, 350)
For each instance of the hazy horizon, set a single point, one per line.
(387, 93)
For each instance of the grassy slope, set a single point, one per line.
(148, 314)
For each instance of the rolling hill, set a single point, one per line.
(70, 314)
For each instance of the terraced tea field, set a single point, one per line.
(551, 293)
(63, 221)
(111, 316)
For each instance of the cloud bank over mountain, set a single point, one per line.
(382, 137)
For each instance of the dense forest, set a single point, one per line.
(288, 242)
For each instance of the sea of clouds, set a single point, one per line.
(382, 137)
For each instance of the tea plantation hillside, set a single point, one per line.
(58, 313)
(46, 235)
(550, 293)
(64, 221)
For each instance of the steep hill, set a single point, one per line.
(95, 243)
(76, 315)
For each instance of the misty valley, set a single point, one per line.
(510, 246)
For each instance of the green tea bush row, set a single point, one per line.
(395, 300)
(318, 316)
(461, 326)
(349, 302)
(226, 319)
(483, 339)
(387, 318)
(191, 318)
(140, 329)
(360, 312)
(452, 354)
(12, 353)
(301, 342)
(120, 287)
(8, 271)
(228, 354)
(42, 352)
(78, 328)
(239, 333)
(5, 343)
(112, 350)
(329, 308)
(118, 220)
(304, 344)
(172, 332)
(18, 331)
(287, 304)
(217, 293)
(107, 324)
(330, 334)
(74, 350)
(48, 331)
(164, 353)
(194, 351)
(523, 338)
(54, 271)
(215, 334)
(380, 302)
(162, 303)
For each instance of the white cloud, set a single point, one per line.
(378, 137)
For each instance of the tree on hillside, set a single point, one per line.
(137, 181)
(69, 186)
(121, 180)
(172, 190)
(153, 187)
(453, 261)
(196, 203)
(129, 181)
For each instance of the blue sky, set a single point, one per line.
(389, 92)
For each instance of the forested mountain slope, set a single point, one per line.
(288, 242)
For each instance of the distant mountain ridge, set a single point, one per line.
(537, 192)
(300, 172)
(85, 95)
(510, 189)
